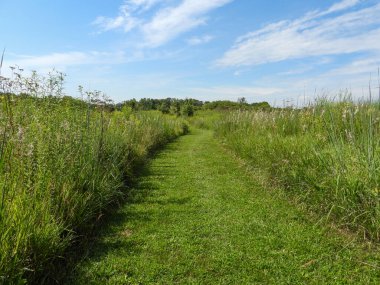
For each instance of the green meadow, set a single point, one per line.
(185, 192)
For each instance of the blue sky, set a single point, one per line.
(275, 50)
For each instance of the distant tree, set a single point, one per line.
(145, 104)
(165, 107)
(261, 105)
(175, 107)
(187, 110)
(133, 104)
(242, 100)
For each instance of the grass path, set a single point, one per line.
(196, 217)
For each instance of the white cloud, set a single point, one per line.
(200, 40)
(170, 22)
(106, 24)
(314, 34)
(363, 66)
(345, 4)
(166, 24)
(142, 4)
(127, 19)
(354, 77)
(63, 60)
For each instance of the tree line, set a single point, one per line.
(187, 107)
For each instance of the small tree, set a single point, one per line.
(165, 107)
(187, 110)
(242, 100)
(175, 108)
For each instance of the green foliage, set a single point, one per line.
(176, 106)
(327, 154)
(196, 217)
(166, 106)
(187, 110)
(62, 162)
(240, 105)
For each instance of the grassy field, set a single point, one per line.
(62, 161)
(198, 217)
(326, 155)
(308, 211)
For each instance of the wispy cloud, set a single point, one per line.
(63, 60)
(167, 23)
(127, 18)
(194, 41)
(318, 33)
(363, 66)
(345, 4)
(170, 22)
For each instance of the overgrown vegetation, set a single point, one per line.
(62, 161)
(240, 105)
(199, 218)
(172, 106)
(327, 155)
(187, 107)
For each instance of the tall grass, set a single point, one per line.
(62, 161)
(327, 154)
(205, 119)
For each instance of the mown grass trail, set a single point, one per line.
(197, 217)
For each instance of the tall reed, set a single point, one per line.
(327, 154)
(62, 161)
